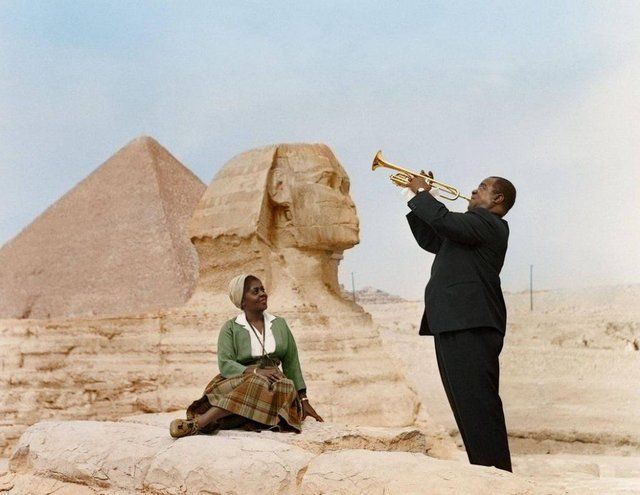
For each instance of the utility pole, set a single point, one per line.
(531, 287)
(353, 287)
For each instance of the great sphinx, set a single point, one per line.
(283, 213)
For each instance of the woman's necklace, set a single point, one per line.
(263, 358)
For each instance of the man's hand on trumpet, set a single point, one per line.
(418, 182)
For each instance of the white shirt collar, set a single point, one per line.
(268, 341)
(241, 319)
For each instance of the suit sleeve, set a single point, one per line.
(424, 235)
(291, 362)
(470, 228)
(227, 353)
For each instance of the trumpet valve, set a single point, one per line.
(400, 179)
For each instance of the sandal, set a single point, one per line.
(183, 427)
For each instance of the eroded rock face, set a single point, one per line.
(284, 214)
(115, 244)
(125, 457)
(107, 368)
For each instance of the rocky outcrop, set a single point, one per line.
(112, 458)
(110, 367)
(114, 244)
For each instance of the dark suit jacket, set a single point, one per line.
(464, 289)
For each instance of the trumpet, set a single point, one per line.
(402, 177)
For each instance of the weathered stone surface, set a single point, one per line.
(558, 466)
(284, 214)
(227, 465)
(559, 394)
(89, 452)
(111, 367)
(114, 244)
(403, 473)
(7, 482)
(323, 437)
(27, 484)
(583, 474)
(125, 457)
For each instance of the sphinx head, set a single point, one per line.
(290, 195)
(308, 195)
(282, 213)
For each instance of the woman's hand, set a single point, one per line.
(271, 374)
(308, 410)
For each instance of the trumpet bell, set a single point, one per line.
(377, 160)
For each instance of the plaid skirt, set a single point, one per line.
(251, 397)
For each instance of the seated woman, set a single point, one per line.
(250, 389)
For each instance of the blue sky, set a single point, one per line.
(544, 93)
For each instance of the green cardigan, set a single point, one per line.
(234, 350)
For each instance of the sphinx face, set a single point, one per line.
(320, 213)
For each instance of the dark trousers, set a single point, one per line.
(470, 371)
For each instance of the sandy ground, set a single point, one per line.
(570, 383)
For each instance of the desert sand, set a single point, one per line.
(570, 382)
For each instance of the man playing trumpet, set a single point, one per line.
(464, 307)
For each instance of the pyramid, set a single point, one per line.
(115, 243)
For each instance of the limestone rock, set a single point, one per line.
(106, 368)
(557, 466)
(130, 457)
(114, 244)
(324, 437)
(89, 452)
(583, 474)
(402, 473)
(35, 485)
(114, 458)
(227, 465)
(284, 214)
